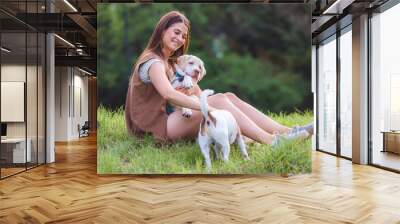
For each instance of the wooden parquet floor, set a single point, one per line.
(70, 191)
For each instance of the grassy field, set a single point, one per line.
(119, 153)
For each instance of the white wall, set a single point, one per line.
(80, 100)
(71, 93)
(33, 126)
(16, 73)
(62, 81)
(12, 100)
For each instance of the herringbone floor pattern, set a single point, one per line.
(70, 191)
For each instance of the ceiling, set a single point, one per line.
(72, 20)
(332, 15)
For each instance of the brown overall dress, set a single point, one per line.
(145, 108)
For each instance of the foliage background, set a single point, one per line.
(261, 52)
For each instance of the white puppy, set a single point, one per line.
(188, 67)
(220, 129)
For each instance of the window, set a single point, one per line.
(345, 92)
(327, 95)
(385, 84)
(23, 77)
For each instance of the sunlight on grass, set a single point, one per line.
(120, 153)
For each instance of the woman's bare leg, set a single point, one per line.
(262, 120)
(179, 127)
(247, 126)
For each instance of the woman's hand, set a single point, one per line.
(161, 83)
(194, 91)
(186, 91)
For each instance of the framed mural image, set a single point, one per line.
(204, 89)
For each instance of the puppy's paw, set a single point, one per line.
(246, 158)
(186, 112)
(187, 82)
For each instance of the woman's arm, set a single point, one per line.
(163, 86)
(197, 90)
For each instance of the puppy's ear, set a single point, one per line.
(186, 57)
(179, 59)
(203, 71)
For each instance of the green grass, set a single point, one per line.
(119, 153)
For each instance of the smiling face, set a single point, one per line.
(192, 66)
(170, 38)
(174, 37)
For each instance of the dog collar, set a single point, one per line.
(179, 74)
(179, 71)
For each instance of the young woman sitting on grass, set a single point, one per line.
(150, 90)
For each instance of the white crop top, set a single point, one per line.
(144, 70)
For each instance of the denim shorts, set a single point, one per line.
(169, 109)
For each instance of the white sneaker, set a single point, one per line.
(308, 127)
(299, 134)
